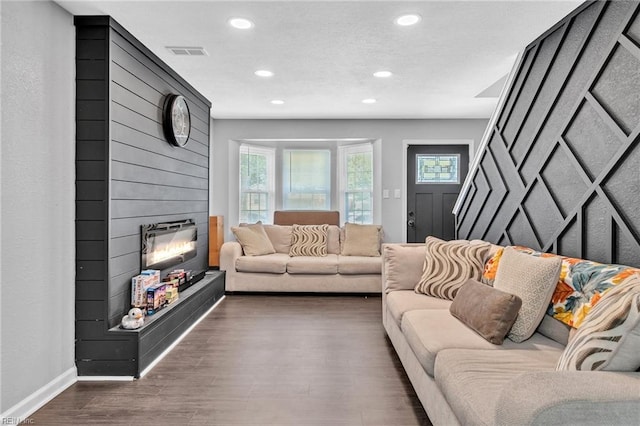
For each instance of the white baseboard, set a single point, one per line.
(106, 378)
(23, 409)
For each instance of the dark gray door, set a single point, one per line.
(435, 174)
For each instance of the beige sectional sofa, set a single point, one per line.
(462, 379)
(279, 272)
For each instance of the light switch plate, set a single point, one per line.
(385, 193)
(396, 193)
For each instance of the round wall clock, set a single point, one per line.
(176, 120)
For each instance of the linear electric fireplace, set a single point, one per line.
(168, 244)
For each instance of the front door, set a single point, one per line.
(435, 174)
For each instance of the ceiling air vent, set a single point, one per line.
(188, 50)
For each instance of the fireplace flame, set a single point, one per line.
(170, 251)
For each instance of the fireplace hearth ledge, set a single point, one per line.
(161, 331)
(184, 295)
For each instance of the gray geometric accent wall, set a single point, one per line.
(561, 170)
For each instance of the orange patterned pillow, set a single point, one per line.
(581, 285)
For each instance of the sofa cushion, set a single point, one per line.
(361, 240)
(609, 337)
(472, 380)
(448, 265)
(400, 266)
(325, 265)
(333, 239)
(309, 240)
(554, 329)
(253, 239)
(430, 331)
(531, 278)
(486, 310)
(354, 265)
(280, 237)
(400, 301)
(271, 263)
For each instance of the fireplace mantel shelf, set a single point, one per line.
(184, 296)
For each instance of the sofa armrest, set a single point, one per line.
(229, 252)
(570, 397)
(401, 265)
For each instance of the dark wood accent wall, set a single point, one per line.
(560, 172)
(127, 175)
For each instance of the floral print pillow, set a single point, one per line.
(580, 286)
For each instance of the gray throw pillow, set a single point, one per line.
(486, 310)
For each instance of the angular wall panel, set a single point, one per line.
(565, 143)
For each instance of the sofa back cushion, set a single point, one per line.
(401, 266)
(280, 237)
(333, 239)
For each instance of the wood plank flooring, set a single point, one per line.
(261, 360)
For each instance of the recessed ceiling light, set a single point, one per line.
(369, 101)
(277, 101)
(406, 20)
(240, 23)
(263, 73)
(382, 74)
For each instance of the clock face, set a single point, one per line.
(177, 121)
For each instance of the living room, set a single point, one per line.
(39, 210)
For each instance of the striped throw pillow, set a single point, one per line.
(609, 337)
(448, 265)
(309, 240)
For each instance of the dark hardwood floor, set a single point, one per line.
(261, 360)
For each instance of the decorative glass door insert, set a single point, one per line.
(437, 168)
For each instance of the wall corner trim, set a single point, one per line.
(23, 409)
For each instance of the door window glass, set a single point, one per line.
(438, 168)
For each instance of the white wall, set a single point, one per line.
(224, 156)
(37, 196)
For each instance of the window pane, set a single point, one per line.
(442, 168)
(254, 206)
(358, 186)
(359, 207)
(306, 180)
(256, 184)
(253, 172)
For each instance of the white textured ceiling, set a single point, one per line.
(323, 53)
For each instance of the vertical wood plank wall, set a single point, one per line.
(127, 175)
(560, 172)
